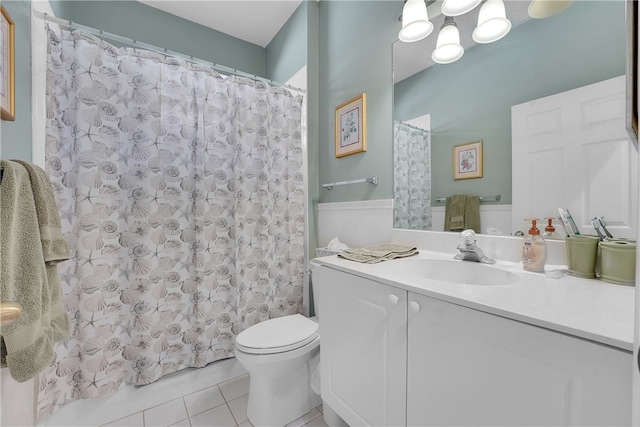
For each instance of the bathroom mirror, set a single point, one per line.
(471, 99)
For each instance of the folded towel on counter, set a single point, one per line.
(378, 253)
(31, 245)
(461, 213)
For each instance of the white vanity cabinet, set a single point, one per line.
(391, 357)
(470, 368)
(363, 348)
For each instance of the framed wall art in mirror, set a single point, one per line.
(7, 66)
(632, 70)
(351, 126)
(467, 160)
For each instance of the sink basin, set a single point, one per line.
(454, 271)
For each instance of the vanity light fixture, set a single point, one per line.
(448, 48)
(458, 7)
(492, 22)
(415, 21)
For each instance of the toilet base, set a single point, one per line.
(284, 404)
(281, 392)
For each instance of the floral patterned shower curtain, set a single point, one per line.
(182, 197)
(411, 177)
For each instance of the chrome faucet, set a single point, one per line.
(469, 251)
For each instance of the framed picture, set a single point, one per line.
(467, 160)
(351, 126)
(7, 67)
(632, 70)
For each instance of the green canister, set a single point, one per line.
(582, 252)
(618, 261)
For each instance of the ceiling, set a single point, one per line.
(254, 21)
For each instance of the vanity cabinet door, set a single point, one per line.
(470, 368)
(362, 348)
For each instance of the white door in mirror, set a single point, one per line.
(572, 150)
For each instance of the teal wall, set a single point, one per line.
(15, 137)
(355, 57)
(286, 53)
(471, 99)
(313, 121)
(138, 21)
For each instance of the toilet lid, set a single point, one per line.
(277, 335)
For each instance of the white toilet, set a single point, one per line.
(280, 355)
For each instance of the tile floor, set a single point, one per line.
(182, 399)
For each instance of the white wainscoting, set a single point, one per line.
(356, 223)
(491, 216)
(369, 222)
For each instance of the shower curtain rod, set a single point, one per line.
(413, 126)
(163, 51)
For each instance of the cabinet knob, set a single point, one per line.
(414, 307)
(393, 299)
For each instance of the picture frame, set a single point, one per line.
(631, 114)
(7, 66)
(467, 160)
(351, 126)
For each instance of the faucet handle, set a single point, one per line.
(468, 235)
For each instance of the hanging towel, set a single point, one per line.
(461, 213)
(379, 253)
(457, 212)
(31, 245)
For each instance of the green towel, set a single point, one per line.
(378, 253)
(472, 214)
(458, 204)
(461, 213)
(31, 245)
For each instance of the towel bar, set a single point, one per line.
(9, 312)
(373, 180)
(482, 199)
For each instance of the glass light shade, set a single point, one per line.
(458, 7)
(448, 48)
(492, 22)
(415, 21)
(541, 9)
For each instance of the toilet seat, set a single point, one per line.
(277, 335)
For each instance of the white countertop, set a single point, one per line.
(585, 308)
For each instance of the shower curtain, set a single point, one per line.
(181, 194)
(411, 177)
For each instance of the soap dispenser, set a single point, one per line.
(534, 249)
(550, 230)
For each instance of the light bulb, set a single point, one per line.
(448, 48)
(415, 21)
(540, 9)
(492, 22)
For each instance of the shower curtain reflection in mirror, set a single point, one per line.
(411, 177)
(182, 197)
